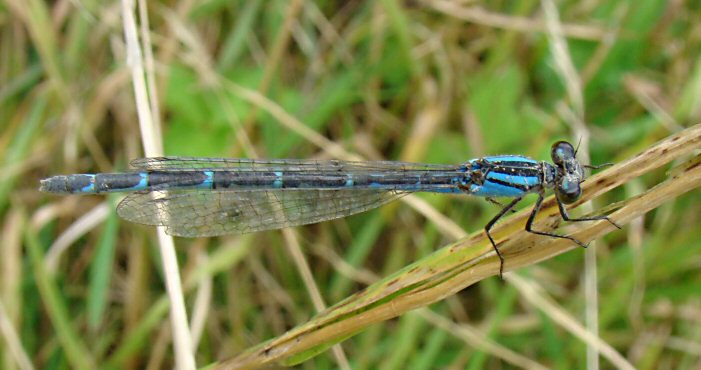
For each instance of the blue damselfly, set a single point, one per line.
(194, 197)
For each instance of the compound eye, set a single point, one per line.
(561, 151)
(569, 191)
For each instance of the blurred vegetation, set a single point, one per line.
(432, 81)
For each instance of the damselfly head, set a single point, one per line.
(569, 172)
(561, 152)
(568, 189)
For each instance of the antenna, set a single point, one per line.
(577, 148)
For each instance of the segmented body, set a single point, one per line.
(195, 197)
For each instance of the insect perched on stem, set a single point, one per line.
(194, 197)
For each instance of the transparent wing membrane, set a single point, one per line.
(288, 165)
(214, 212)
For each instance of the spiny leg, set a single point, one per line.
(566, 216)
(534, 212)
(596, 167)
(494, 201)
(489, 235)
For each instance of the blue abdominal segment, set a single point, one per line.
(277, 183)
(90, 187)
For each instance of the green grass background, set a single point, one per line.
(388, 79)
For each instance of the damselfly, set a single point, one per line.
(195, 197)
